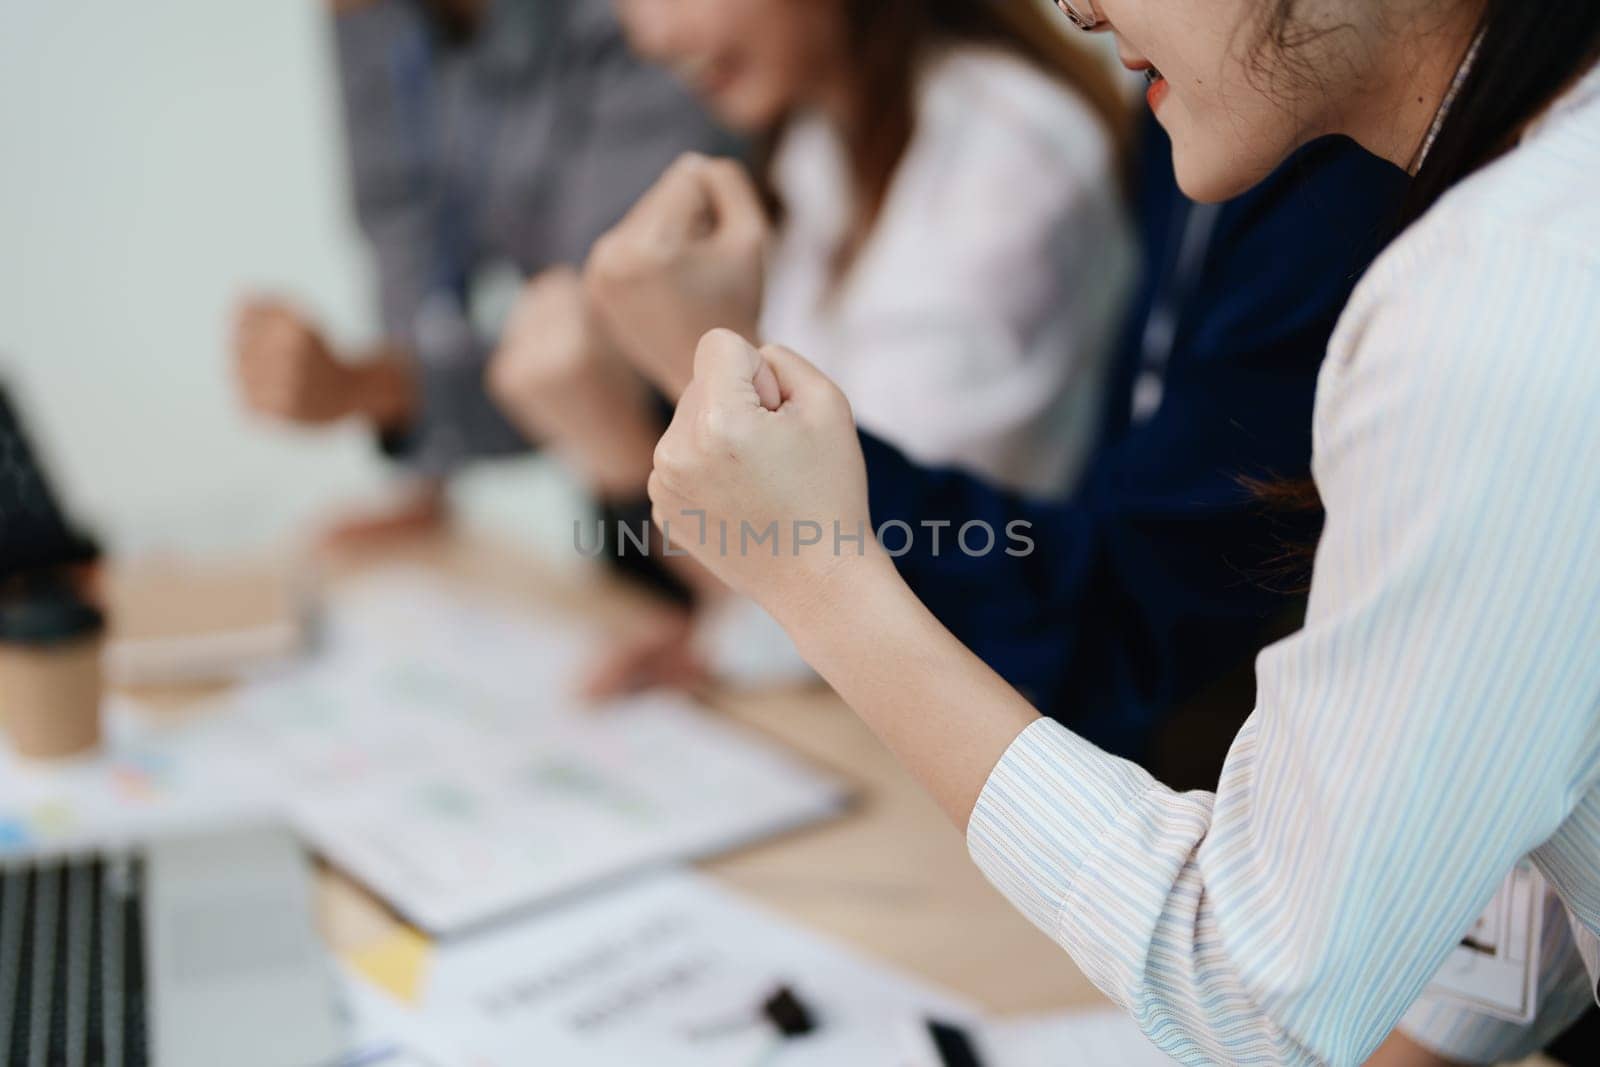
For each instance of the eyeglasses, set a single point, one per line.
(1081, 13)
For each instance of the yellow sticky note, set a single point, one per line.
(53, 819)
(397, 964)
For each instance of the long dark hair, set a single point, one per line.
(887, 39)
(1529, 54)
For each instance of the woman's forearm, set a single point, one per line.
(943, 713)
(1400, 1051)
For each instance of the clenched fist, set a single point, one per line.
(760, 476)
(560, 380)
(689, 257)
(286, 370)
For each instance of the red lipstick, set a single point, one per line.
(1158, 88)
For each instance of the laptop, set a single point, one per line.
(191, 951)
(187, 951)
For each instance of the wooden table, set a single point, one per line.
(891, 878)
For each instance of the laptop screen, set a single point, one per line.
(34, 532)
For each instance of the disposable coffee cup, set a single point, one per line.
(50, 674)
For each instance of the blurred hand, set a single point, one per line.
(287, 371)
(558, 378)
(763, 443)
(688, 258)
(662, 657)
(414, 512)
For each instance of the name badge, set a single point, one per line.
(1495, 969)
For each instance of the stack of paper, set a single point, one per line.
(432, 752)
(670, 971)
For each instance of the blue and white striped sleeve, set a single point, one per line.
(1434, 721)
(1465, 1036)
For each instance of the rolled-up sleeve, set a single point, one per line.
(385, 82)
(387, 77)
(1433, 723)
(458, 420)
(580, 128)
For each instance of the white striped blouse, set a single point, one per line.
(1438, 717)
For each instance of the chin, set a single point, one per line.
(1210, 177)
(744, 114)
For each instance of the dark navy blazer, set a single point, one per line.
(1154, 577)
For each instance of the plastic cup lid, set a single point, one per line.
(47, 616)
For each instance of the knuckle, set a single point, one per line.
(631, 258)
(661, 456)
(714, 339)
(608, 260)
(830, 408)
(555, 289)
(535, 369)
(838, 402)
(676, 461)
(652, 253)
(563, 277)
(504, 376)
(687, 163)
(669, 458)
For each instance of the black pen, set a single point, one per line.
(932, 1043)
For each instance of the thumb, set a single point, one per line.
(766, 383)
(725, 361)
(680, 205)
(733, 196)
(794, 375)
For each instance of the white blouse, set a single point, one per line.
(1438, 718)
(973, 328)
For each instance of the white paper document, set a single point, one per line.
(669, 971)
(382, 1033)
(431, 750)
(134, 785)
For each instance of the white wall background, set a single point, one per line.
(156, 158)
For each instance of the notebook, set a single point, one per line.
(431, 749)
